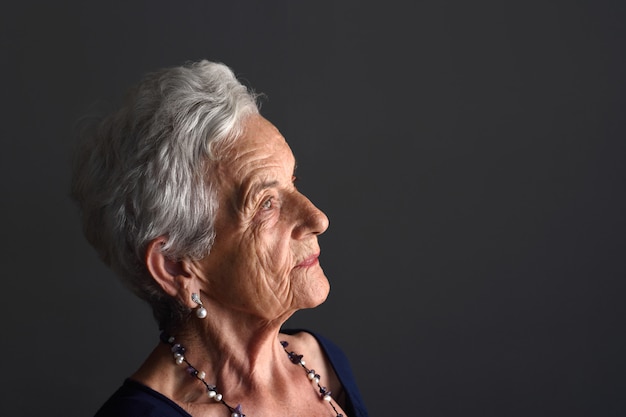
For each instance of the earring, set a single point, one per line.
(200, 311)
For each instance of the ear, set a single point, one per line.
(169, 274)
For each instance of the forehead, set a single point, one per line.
(260, 152)
(260, 134)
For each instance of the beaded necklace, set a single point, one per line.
(179, 357)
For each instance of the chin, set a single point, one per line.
(316, 293)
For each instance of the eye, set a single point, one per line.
(267, 204)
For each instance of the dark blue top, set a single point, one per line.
(133, 399)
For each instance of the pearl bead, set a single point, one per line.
(201, 375)
(180, 359)
(235, 415)
(302, 362)
(311, 375)
(212, 393)
(218, 397)
(201, 312)
(327, 397)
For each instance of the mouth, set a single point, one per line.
(310, 261)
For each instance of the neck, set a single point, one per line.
(238, 354)
(233, 341)
(236, 365)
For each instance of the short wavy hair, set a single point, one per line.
(144, 171)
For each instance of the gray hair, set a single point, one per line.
(144, 171)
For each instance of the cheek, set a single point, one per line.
(261, 251)
(263, 259)
(274, 255)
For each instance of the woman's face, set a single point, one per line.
(265, 257)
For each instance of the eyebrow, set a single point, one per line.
(247, 192)
(256, 187)
(260, 186)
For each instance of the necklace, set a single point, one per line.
(179, 357)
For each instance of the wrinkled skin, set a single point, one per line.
(264, 260)
(262, 268)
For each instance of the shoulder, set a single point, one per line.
(303, 340)
(319, 350)
(319, 354)
(314, 346)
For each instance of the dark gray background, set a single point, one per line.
(469, 154)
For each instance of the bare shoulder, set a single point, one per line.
(305, 344)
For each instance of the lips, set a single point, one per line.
(310, 261)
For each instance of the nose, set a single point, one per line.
(311, 220)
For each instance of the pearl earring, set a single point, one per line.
(200, 311)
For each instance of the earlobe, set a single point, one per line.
(165, 271)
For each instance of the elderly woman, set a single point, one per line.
(189, 195)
